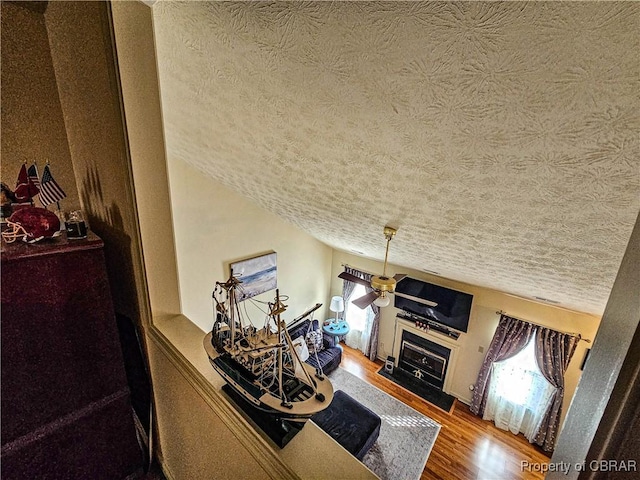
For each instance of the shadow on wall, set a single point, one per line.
(107, 222)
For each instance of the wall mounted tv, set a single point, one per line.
(453, 308)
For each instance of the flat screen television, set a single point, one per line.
(453, 308)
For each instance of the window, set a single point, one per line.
(359, 321)
(519, 394)
(354, 315)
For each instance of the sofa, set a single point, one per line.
(331, 354)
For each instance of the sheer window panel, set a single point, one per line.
(519, 395)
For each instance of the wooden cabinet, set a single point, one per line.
(66, 411)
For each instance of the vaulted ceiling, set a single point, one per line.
(501, 138)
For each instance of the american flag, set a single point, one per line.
(50, 191)
(33, 175)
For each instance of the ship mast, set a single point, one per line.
(276, 310)
(231, 292)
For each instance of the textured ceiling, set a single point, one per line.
(501, 138)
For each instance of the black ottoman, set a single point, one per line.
(349, 423)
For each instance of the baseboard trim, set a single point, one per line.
(258, 447)
(461, 398)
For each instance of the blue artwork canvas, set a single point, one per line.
(258, 275)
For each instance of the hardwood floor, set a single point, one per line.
(467, 447)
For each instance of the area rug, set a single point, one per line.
(406, 436)
(435, 397)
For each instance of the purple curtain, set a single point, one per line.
(553, 354)
(371, 349)
(348, 287)
(511, 336)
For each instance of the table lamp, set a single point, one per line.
(337, 305)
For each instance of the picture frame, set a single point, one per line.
(257, 275)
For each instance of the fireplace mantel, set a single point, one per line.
(402, 324)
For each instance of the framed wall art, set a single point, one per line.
(257, 274)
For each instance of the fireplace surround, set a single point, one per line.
(426, 360)
(428, 356)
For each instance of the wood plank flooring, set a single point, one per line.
(467, 447)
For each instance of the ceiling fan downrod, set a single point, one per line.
(383, 283)
(389, 233)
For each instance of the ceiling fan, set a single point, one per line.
(381, 284)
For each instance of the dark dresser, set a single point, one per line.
(66, 411)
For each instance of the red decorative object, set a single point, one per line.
(31, 224)
(422, 325)
(25, 187)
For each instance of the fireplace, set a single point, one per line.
(424, 359)
(425, 363)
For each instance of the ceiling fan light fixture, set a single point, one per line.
(382, 301)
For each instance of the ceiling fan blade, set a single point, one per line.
(366, 300)
(399, 276)
(353, 278)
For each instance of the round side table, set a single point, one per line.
(339, 329)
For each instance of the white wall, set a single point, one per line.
(482, 324)
(215, 226)
(187, 420)
(138, 76)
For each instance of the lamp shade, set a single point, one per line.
(337, 304)
(382, 301)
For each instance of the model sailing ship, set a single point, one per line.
(261, 365)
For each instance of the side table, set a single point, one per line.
(337, 329)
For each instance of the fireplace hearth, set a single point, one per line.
(426, 363)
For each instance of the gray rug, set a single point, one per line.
(406, 436)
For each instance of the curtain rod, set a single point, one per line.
(357, 268)
(502, 312)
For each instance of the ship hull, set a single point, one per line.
(302, 403)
